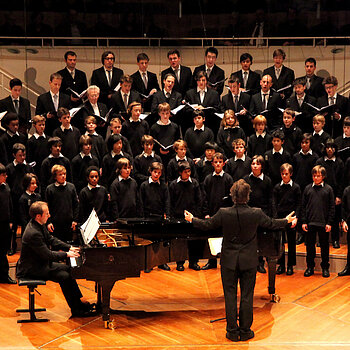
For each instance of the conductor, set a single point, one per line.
(40, 258)
(239, 257)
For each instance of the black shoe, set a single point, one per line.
(300, 239)
(345, 271)
(209, 266)
(232, 336)
(8, 280)
(325, 273)
(309, 272)
(289, 271)
(164, 267)
(247, 335)
(261, 268)
(280, 270)
(148, 270)
(194, 266)
(180, 267)
(11, 252)
(318, 245)
(336, 245)
(84, 313)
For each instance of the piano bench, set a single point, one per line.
(31, 285)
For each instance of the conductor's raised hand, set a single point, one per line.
(291, 217)
(188, 216)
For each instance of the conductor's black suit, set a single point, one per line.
(239, 258)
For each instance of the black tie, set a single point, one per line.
(16, 105)
(236, 102)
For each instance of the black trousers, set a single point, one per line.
(60, 273)
(4, 247)
(311, 248)
(290, 236)
(246, 280)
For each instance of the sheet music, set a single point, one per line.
(215, 245)
(89, 228)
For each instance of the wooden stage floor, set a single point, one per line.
(172, 310)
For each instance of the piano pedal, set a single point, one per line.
(275, 298)
(110, 324)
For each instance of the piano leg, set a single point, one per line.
(271, 264)
(106, 286)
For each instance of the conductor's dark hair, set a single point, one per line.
(69, 53)
(245, 56)
(37, 208)
(142, 56)
(90, 169)
(27, 179)
(112, 140)
(105, 54)
(240, 192)
(15, 82)
(174, 52)
(213, 50)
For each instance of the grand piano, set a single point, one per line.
(125, 248)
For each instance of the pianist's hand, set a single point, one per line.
(188, 216)
(290, 217)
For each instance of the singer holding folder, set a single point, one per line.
(239, 256)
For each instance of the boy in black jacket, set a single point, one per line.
(317, 214)
(37, 145)
(143, 161)
(204, 166)
(287, 198)
(260, 141)
(15, 174)
(154, 198)
(62, 200)
(98, 148)
(276, 157)
(196, 137)
(82, 161)
(335, 173)
(6, 213)
(319, 136)
(93, 196)
(239, 165)
(216, 186)
(11, 123)
(185, 193)
(345, 226)
(69, 134)
(55, 157)
(124, 192)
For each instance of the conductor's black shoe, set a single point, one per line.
(180, 267)
(261, 268)
(300, 239)
(280, 270)
(8, 280)
(309, 272)
(246, 335)
(209, 266)
(194, 266)
(325, 273)
(164, 267)
(11, 252)
(345, 271)
(336, 245)
(289, 270)
(232, 336)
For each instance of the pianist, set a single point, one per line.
(239, 256)
(40, 256)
